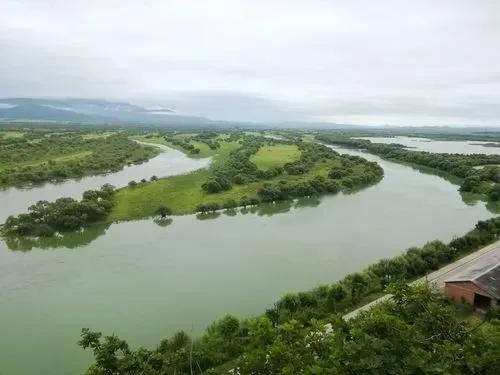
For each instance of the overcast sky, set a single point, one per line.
(368, 62)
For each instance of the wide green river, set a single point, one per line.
(143, 281)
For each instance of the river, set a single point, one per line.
(143, 281)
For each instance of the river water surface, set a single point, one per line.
(143, 281)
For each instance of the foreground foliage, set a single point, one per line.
(414, 333)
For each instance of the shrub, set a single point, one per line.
(163, 211)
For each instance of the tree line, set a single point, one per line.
(479, 173)
(44, 218)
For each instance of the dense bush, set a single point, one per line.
(163, 211)
(65, 214)
(207, 207)
(216, 185)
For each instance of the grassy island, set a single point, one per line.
(246, 169)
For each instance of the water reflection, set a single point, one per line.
(265, 209)
(313, 201)
(270, 209)
(208, 216)
(231, 212)
(163, 221)
(69, 240)
(72, 240)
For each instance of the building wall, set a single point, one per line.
(463, 291)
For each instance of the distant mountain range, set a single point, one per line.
(90, 111)
(97, 111)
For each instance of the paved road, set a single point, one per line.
(437, 278)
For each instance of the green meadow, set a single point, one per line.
(275, 156)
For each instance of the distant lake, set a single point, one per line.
(424, 144)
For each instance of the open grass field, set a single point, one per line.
(275, 156)
(183, 193)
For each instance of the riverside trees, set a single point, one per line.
(478, 173)
(64, 214)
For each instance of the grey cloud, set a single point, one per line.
(356, 61)
(415, 106)
(230, 106)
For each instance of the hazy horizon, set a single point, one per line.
(360, 62)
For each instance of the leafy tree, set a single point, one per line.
(335, 295)
(163, 211)
(64, 214)
(356, 283)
